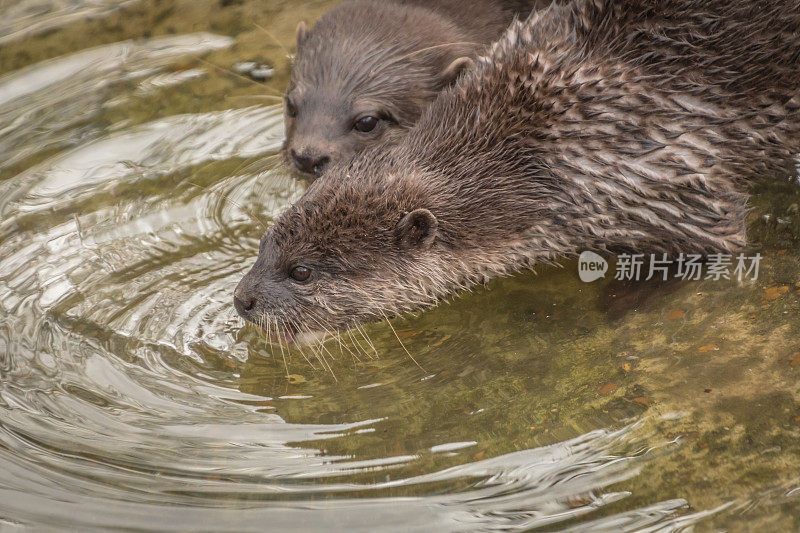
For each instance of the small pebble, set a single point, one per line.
(245, 67)
(262, 73)
(257, 71)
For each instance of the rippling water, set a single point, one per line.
(135, 180)
(25, 17)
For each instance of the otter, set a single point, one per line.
(367, 70)
(593, 125)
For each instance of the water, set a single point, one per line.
(135, 177)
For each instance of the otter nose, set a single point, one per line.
(243, 302)
(310, 163)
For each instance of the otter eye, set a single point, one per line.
(366, 124)
(291, 108)
(300, 273)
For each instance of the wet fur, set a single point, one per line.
(622, 124)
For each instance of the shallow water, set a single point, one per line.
(135, 179)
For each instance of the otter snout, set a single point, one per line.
(263, 303)
(245, 299)
(310, 161)
(243, 302)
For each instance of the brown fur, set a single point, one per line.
(593, 125)
(380, 58)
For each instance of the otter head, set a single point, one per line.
(362, 77)
(344, 254)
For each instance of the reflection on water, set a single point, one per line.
(131, 395)
(52, 105)
(23, 18)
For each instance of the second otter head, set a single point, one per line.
(363, 76)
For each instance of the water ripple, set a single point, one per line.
(132, 396)
(22, 19)
(52, 104)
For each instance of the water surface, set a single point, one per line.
(136, 176)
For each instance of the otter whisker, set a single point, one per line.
(265, 325)
(315, 353)
(325, 349)
(244, 166)
(364, 334)
(328, 332)
(296, 326)
(268, 325)
(274, 40)
(252, 166)
(401, 342)
(434, 47)
(322, 345)
(272, 97)
(232, 73)
(343, 345)
(356, 343)
(341, 348)
(201, 168)
(306, 356)
(266, 164)
(322, 357)
(280, 345)
(260, 324)
(256, 324)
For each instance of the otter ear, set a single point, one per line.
(417, 229)
(454, 69)
(302, 33)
